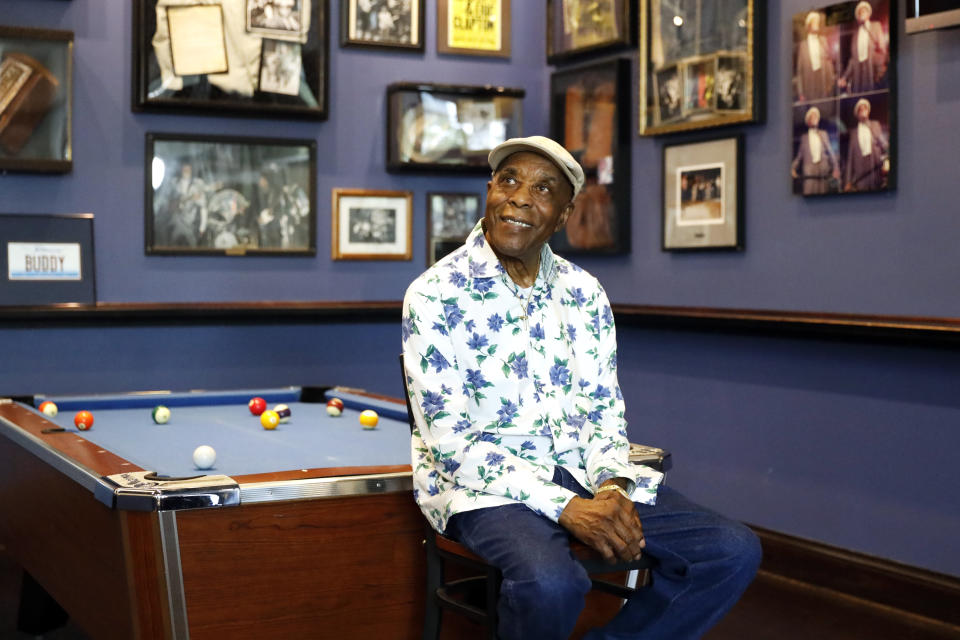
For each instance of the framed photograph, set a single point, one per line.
(590, 116)
(449, 128)
(450, 219)
(372, 225)
(474, 27)
(703, 194)
(230, 196)
(254, 58)
(579, 27)
(844, 99)
(382, 24)
(47, 259)
(36, 100)
(701, 64)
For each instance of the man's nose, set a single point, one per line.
(520, 197)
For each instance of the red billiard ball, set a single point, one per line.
(257, 405)
(83, 420)
(334, 406)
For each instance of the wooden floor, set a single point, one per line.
(773, 608)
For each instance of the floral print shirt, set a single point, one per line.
(505, 384)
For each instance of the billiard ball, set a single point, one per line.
(334, 406)
(369, 419)
(48, 409)
(283, 412)
(204, 456)
(257, 405)
(160, 414)
(269, 420)
(83, 420)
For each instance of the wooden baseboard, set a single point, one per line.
(875, 580)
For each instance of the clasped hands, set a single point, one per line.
(608, 523)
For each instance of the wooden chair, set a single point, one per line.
(476, 596)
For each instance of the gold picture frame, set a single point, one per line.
(370, 224)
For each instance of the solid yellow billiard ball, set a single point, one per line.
(269, 419)
(83, 420)
(369, 419)
(48, 409)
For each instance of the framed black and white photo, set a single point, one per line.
(577, 28)
(243, 57)
(703, 194)
(234, 196)
(590, 116)
(372, 225)
(844, 99)
(690, 52)
(434, 127)
(382, 24)
(36, 100)
(474, 27)
(450, 219)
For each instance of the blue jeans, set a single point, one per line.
(705, 563)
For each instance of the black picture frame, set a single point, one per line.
(829, 155)
(590, 116)
(364, 31)
(47, 260)
(485, 117)
(450, 219)
(689, 53)
(229, 195)
(36, 100)
(702, 194)
(578, 29)
(298, 46)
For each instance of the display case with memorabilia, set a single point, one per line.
(590, 116)
(221, 195)
(382, 24)
(36, 100)
(701, 64)
(579, 27)
(241, 57)
(449, 127)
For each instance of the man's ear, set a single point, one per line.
(567, 210)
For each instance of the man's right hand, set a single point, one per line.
(608, 523)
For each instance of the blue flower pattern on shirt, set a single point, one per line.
(502, 394)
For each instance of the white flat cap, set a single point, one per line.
(545, 147)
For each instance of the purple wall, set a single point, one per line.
(851, 444)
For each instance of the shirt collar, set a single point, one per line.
(482, 262)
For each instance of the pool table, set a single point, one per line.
(306, 531)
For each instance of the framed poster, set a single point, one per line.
(590, 116)
(380, 24)
(703, 194)
(579, 27)
(474, 27)
(450, 219)
(701, 64)
(48, 260)
(449, 127)
(36, 100)
(372, 225)
(254, 58)
(844, 99)
(230, 196)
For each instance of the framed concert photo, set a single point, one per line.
(844, 99)
(701, 64)
(372, 225)
(230, 196)
(449, 128)
(450, 219)
(254, 58)
(36, 100)
(382, 25)
(590, 116)
(703, 194)
(577, 28)
(474, 27)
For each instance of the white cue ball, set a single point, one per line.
(204, 456)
